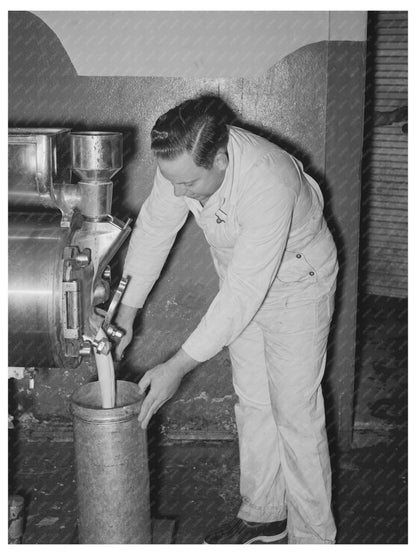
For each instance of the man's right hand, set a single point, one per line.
(123, 343)
(124, 320)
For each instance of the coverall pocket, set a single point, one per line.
(295, 268)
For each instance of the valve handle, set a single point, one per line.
(115, 301)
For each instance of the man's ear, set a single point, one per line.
(221, 159)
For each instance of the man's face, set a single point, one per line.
(193, 181)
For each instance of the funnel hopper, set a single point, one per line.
(96, 155)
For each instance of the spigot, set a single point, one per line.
(103, 346)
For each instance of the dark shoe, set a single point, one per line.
(240, 531)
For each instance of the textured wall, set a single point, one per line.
(289, 102)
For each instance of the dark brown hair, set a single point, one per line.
(197, 126)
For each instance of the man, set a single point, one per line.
(276, 260)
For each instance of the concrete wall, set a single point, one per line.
(289, 102)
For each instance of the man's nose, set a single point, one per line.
(179, 190)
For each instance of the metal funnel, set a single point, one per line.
(96, 155)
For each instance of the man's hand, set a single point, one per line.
(164, 381)
(124, 320)
(124, 342)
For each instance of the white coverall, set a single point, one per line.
(277, 265)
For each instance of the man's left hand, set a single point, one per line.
(164, 380)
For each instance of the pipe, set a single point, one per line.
(111, 467)
(38, 159)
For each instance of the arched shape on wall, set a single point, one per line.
(35, 51)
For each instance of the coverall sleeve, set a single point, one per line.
(264, 212)
(159, 220)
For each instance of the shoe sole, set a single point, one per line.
(263, 539)
(268, 539)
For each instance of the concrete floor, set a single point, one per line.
(196, 483)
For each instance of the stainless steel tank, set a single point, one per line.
(36, 247)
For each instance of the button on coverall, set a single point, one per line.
(277, 266)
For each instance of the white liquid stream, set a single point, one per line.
(106, 376)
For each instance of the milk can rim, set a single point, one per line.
(98, 414)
